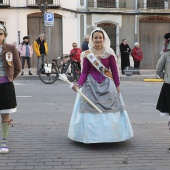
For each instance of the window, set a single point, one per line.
(48, 1)
(1, 22)
(106, 3)
(158, 4)
(1, 1)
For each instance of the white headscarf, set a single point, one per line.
(106, 44)
(107, 51)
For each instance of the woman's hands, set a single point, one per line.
(118, 89)
(75, 86)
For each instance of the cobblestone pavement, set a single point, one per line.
(46, 147)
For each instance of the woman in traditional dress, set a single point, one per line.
(163, 71)
(87, 125)
(10, 66)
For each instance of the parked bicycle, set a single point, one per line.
(49, 73)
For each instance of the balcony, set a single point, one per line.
(156, 5)
(51, 4)
(106, 4)
(4, 3)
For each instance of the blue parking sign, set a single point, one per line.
(49, 18)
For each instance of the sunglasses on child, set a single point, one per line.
(1, 33)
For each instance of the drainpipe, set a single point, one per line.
(136, 10)
(18, 24)
(145, 4)
(95, 3)
(117, 3)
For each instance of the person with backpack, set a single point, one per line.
(26, 51)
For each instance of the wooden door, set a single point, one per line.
(35, 28)
(151, 36)
(111, 32)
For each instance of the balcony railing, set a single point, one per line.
(4, 3)
(106, 4)
(165, 5)
(51, 3)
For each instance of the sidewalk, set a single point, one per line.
(145, 74)
(46, 147)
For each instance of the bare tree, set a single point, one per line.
(43, 5)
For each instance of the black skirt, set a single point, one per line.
(163, 104)
(7, 96)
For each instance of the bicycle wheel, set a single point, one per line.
(68, 71)
(48, 78)
(76, 72)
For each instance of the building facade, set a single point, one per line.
(145, 21)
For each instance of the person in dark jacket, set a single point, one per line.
(125, 51)
(10, 67)
(85, 43)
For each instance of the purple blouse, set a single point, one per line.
(3, 79)
(88, 68)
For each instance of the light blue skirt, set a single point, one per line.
(99, 127)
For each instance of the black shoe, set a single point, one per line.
(30, 73)
(22, 73)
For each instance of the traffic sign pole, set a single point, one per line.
(49, 22)
(49, 44)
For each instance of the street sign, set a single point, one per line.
(49, 19)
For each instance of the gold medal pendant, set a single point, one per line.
(9, 58)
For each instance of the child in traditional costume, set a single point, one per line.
(10, 66)
(163, 71)
(101, 86)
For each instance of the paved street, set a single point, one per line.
(39, 140)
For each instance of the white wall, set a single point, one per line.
(10, 19)
(69, 4)
(19, 3)
(96, 18)
(70, 32)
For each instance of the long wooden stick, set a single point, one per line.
(88, 100)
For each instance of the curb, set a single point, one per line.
(153, 80)
(31, 77)
(145, 78)
(136, 77)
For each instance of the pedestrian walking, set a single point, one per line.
(75, 54)
(102, 87)
(163, 71)
(125, 52)
(41, 50)
(85, 43)
(26, 51)
(10, 67)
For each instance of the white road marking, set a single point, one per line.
(18, 84)
(24, 96)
